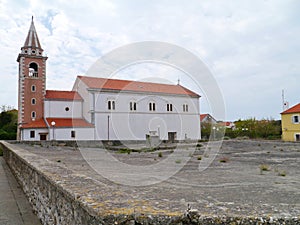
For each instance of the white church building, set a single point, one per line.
(100, 108)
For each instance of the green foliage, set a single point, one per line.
(160, 154)
(252, 128)
(8, 124)
(124, 150)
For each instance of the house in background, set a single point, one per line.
(207, 118)
(290, 122)
(227, 125)
(99, 108)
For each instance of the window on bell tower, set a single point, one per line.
(33, 70)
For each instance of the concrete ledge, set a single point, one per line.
(60, 196)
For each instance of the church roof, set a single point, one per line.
(59, 123)
(36, 124)
(69, 122)
(135, 86)
(294, 109)
(32, 40)
(62, 95)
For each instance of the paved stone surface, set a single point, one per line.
(236, 187)
(14, 207)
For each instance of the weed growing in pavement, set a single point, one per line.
(224, 160)
(264, 167)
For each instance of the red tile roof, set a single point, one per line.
(69, 122)
(62, 95)
(202, 116)
(294, 109)
(35, 124)
(127, 85)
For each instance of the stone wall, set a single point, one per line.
(60, 196)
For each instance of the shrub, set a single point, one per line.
(199, 158)
(178, 161)
(160, 154)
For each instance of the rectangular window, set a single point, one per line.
(169, 107)
(151, 106)
(111, 105)
(295, 119)
(185, 108)
(132, 106)
(32, 134)
(72, 133)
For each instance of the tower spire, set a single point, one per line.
(32, 40)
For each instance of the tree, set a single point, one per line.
(8, 123)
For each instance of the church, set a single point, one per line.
(100, 108)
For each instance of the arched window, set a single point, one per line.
(132, 106)
(33, 88)
(152, 106)
(33, 101)
(33, 69)
(33, 115)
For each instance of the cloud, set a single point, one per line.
(250, 46)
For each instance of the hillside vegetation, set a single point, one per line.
(8, 123)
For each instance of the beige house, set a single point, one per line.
(290, 122)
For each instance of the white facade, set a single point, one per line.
(62, 109)
(79, 134)
(124, 122)
(33, 134)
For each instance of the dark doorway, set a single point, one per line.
(43, 137)
(171, 136)
(297, 136)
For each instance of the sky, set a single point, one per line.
(252, 48)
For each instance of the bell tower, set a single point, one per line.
(32, 80)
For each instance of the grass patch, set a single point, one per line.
(160, 154)
(282, 173)
(199, 145)
(178, 161)
(224, 160)
(124, 150)
(264, 167)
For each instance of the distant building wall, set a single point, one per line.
(290, 128)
